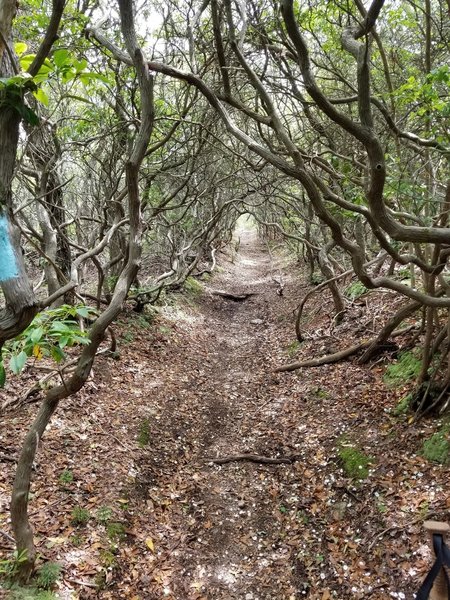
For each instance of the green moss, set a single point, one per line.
(193, 287)
(354, 461)
(293, 348)
(144, 433)
(355, 290)
(407, 367)
(437, 447)
(403, 406)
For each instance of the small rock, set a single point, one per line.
(256, 322)
(241, 503)
(249, 596)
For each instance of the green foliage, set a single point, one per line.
(437, 447)
(12, 92)
(30, 593)
(193, 287)
(293, 348)
(403, 406)
(115, 531)
(9, 567)
(108, 558)
(76, 539)
(316, 279)
(48, 575)
(50, 332)
(355, 290)
(66, 477)
(128, 336)
(144, 433)
(103, 514)
(80, 516)
(407, 367)
(354, 461)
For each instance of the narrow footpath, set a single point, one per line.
(187, 469)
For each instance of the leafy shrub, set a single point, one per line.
(293, 348)
(437, 447)
(48, 575)
(354, 461)
(355, 290)
(10, 566)
(50, 332)
(407, 367)
(80, 516)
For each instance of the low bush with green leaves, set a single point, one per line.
(66, 477)
(104, 514)
(50, 332)
(115, 531)
(407, 367)
(10, 566)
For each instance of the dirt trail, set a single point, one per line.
(246, 531)
(197, 383)
(227, 547)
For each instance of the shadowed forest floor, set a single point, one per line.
(197, 383)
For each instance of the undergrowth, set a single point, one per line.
(437, 447)
(192, 287)
(407, 367)
(355, 290)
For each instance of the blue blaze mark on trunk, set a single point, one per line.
(8, 264)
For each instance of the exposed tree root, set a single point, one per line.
(255, 458)
(336, 356)
(234, 297)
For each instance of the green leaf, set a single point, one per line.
(57, 354)
(41, 96)
(17, 362)
(80, 65)
(25, 61)
(36, 335)
(69, 74)
(83, 312)
(20, 48)
(63, 341)
(60, 327)
(61, 57)
(28, 115)
(2, 375)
